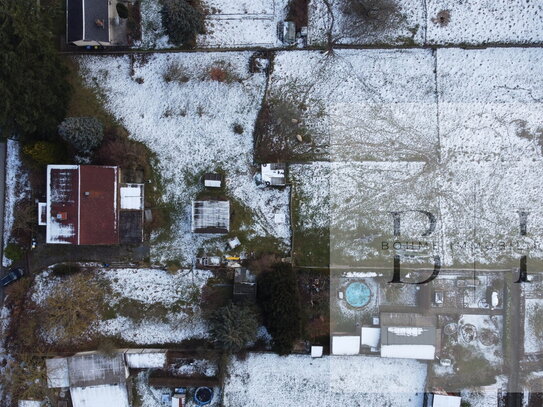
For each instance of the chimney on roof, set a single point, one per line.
(87, 193)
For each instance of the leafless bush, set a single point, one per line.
(175, 73)
(443, 18)
(371, 16)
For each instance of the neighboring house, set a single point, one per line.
(274, 174)
(244, 285)
(210, 216)
(407, 335)
(95, 380)
(87, 205)
(88, 22)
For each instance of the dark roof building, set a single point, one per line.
(95, 380)
(244, 285)
(408, 335)
(88, 22)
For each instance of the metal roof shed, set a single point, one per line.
(57, 373)
(408, 335)
(210, 216)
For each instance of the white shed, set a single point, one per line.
(440, 400)
(370, 336)
(345, 345)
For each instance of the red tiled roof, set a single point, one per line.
(82, 205)
(98, 205)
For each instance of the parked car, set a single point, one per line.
(13, 275)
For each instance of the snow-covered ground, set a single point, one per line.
(408, 28)
(485, 396)
(455, 133)
(178, 292)
(17, 188)
(189, 125)
(533, 343)
(486, 21)
(312, 192)
(473, 22)
(228, 23)
(489, 331)
(300, 381)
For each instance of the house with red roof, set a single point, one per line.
(88, 205)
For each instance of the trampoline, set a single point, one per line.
(203, 396)
(357, 294)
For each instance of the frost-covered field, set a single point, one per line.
(409, 28)
(17, 188)
(486, 21)
(463, 143)
(300, 381)
(466, 22)
(189, 125)
(149, 287)
(228, 23)
(533, 343)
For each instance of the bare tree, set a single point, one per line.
(370, 16)
(73, 306)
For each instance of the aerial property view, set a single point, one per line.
(246, 203)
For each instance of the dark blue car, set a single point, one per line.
(13, 275)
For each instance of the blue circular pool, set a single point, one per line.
(357, 294)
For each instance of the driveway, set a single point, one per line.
(3, 149)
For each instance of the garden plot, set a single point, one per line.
(17, 189)
(228, 23)
(299, 381)
(153, 34)
(406, 28)
(483, 333)
(533, 325)
(489, 115)
(484, 21)
(242, 23)
(170, 103)
(146, 306)
(467, 149)
(473, 22)
(311, 213)
(361, 105)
